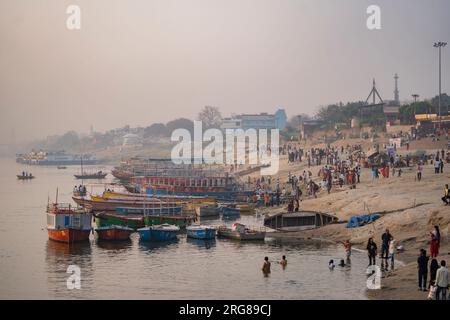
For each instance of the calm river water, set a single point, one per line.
(32, 267)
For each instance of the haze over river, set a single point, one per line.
(33, 267)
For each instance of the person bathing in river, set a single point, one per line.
(348, 249)
(283, 262)
(331, 265)
(266, 266)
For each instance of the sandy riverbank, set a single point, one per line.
(409, 209)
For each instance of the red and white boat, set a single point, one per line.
(66, 223)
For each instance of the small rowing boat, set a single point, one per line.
(96, 175)
(114, 233)
(106, 219)
(163, 232)
(25, 177)
(207, 211)
(201, 232)
(241, 232)
(230, 211)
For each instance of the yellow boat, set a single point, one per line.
(112, 194)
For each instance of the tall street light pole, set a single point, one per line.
(440, 45)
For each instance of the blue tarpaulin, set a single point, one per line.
(361, 220)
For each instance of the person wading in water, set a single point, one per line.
(266, 266)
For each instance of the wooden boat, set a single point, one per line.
(201, 232)
(122, 175)
(163, 232)
(246, 208)
(114, 233)
(241, 232)
(182, 221)
(139, 196)
(26, 177)
(214, 192)
(96, 175)
(230, 211)
(298, 221)
(99, 204)
(107, 219)
(160, 210)
(207, 211)
(68, 224)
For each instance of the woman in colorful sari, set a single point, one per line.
(435, 242)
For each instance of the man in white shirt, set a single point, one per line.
(442, 281)
(437, 165)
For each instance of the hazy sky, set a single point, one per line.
(142, 61)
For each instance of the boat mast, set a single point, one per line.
(82, 174)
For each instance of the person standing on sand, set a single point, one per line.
(371, 251)
(434, 266)
(435, 242)
(442, 281)
(392, 250)
(266, 266)
(437, 165)
(419, 171)
(422, 269)
(385, 240)
(446, 197)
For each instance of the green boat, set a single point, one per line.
(134, 221)
(181, 221)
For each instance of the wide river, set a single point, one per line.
(33, 267)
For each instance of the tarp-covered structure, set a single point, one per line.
(361, 220)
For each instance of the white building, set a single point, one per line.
(131, 139)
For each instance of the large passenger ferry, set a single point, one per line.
(55, 158)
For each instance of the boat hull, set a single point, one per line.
(147, 234)
(250, 236)
(162, 210)
(111, 219)
(203, 234)
(114, 234)
(179, 221)
(91, 176)
(68, 235)
(207, 212)
(230, 212)
(25, 177)
(99, 204)
(217, 195)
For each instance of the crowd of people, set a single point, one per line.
(438, 280)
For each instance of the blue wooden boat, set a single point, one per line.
(230, 211)
(201, 232)
(162, 232)
(158, 210)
